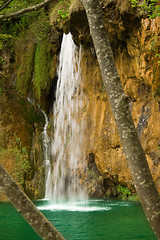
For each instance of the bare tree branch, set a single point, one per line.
(5, 5)
(26, 208)
(25, 10)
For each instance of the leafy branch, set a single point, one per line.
(152, 7)
(25, 10)
(5, 5)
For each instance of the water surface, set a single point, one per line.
(94, 220)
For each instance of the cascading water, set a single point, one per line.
(46, 145)
(67, 170)
(46, 150)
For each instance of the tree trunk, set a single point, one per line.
(25, 10)
(135, 155)
(27, 209)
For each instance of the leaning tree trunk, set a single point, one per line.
(143, 181)
(27, 209)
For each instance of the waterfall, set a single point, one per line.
(67, 161)
(46, 151)
(46, 146)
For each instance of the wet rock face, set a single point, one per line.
(21, 152)
(132, 39)
(21, 121)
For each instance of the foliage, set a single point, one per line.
(63, 13)
(124, 192)
(134, 3)
(17, 5)
(60, 12)
(152, 7)
(11, 28)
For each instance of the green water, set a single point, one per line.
(94, 220)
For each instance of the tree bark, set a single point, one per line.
(25, 10)
(143, 181)
(27, 209)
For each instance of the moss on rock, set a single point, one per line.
(25, 56)
(42, 79)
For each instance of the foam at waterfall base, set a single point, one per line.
(79, 206)
(82, 206)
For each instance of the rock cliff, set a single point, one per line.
(135, 42)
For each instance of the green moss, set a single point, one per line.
(22, 165)
(25, 70)
(30, 113)
(42, 69)
(18, 163)
(33, 56)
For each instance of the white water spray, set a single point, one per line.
(63, 181)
